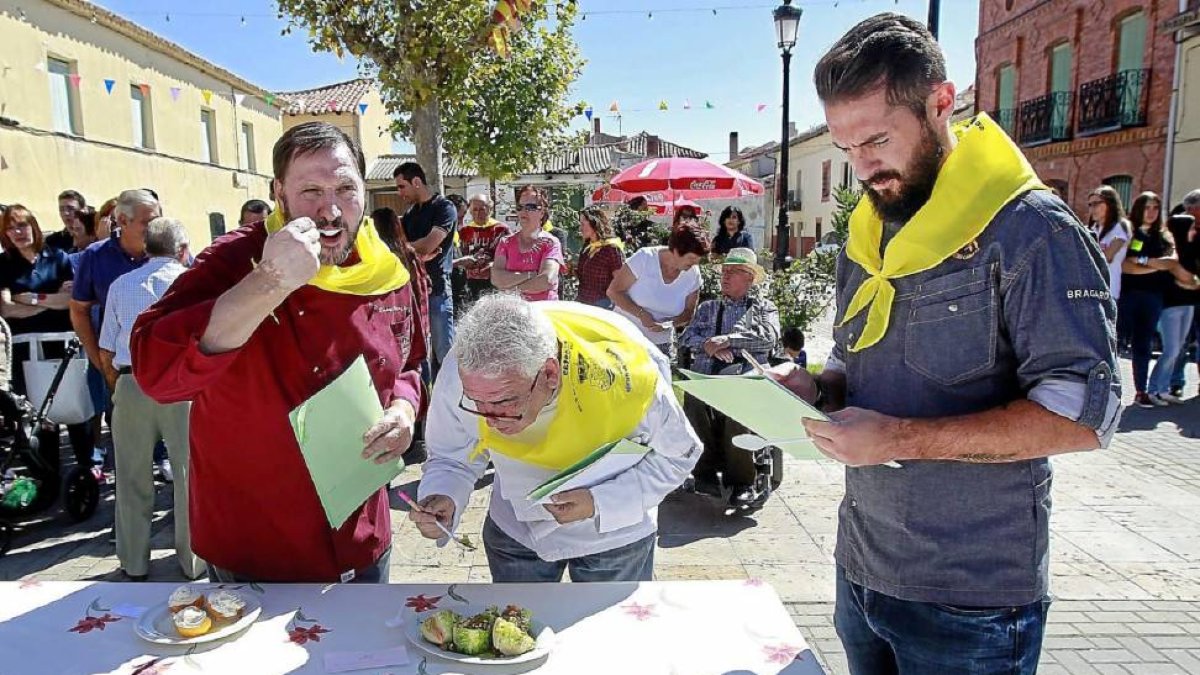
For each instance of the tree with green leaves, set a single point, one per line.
(846, 199)
(444, 84)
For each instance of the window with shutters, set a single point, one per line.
(64, 96)
(1124, 187)
(826, 178)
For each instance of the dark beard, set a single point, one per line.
(337, 257)
(916, 184)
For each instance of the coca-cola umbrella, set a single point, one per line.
(696, 176)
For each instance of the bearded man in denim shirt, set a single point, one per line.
(974, 339)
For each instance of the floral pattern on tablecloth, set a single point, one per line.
(639, 612)
(302, 634)
(783, 654)
(90, 623)
(420, 603)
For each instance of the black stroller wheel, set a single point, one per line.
(81, 494)
(6, 535)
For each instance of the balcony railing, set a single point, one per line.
(1114, 102)
(1007, 119)
(1046, 119)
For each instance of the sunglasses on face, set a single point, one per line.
(531, 206)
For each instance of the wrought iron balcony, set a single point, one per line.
(1046, 119)
(1007, 119)
(1114, 102)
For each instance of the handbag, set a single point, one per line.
(72, 401)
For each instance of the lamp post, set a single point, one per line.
(787, 24)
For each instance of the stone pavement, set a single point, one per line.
(1125, 549)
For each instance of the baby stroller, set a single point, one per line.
(30, 476)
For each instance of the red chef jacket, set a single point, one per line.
(254, 510)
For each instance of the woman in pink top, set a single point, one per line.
(530, 260)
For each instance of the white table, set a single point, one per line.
(667, 628)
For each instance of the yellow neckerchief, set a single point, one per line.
(983, 173)
(599, 243)
(608, 384)
(546, 226)
(377, 271)
(491, 222)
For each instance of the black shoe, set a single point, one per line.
(1177, 392)
(126, 576)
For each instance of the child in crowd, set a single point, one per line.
(793, 346)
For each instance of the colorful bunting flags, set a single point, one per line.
(760, 107)
(362, 108)
(708, 105)
(144, 88)
(207, 94)
(614, 107)
(238, 98)
(270, 99)
(687, 105)
(175, 91)
(74, 78)
(108, 85)
(587, 112)
(505, 19)
(662, 105)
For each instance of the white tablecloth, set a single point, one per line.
(661, 628)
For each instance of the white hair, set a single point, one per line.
(165, 237)
(1192, 199)
(480, 197)
(129, 200)
(503, 333)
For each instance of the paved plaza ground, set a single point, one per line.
(1124, 546)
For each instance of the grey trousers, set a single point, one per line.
(138, 423)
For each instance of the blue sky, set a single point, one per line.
(684, 53)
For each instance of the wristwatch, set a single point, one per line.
(1143, 260)
(33, 300)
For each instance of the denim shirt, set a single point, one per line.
(1024, 312)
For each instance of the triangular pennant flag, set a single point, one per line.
(270, 99)
(331, 105)
(687, 105)
(614, 107)
(74, 78)
(662, 105)
(108, 85)
(238, 98)
(362, 108)
(708, 105)
(175, 93)
(40, 67)
(144, 88)
(207, 94)
(761, 107)
(587, 112)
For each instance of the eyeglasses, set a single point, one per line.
(531, 206)
(472, 406)
(20, 226)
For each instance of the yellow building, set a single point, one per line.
(92, 102)
(354, 107)
(1183, 153)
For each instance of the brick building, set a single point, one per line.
(1084, 86)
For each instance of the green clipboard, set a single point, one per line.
(329, 429)
(600, 464)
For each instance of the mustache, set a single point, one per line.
(325, 223)
(882, 176)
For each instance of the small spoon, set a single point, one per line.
(754, 443)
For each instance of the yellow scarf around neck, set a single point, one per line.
(491, 222)
(608, 384)
(983, 173)
(594, 246)
(377, 271)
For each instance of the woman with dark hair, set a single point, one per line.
(659, 286)
(530, 260)
(35, 292)
(731, 232)
(1179, 313)
(602, 256)
(1146, 273)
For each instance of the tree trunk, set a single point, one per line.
(427, 136)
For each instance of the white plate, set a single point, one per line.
(155, 625)
(543, 633)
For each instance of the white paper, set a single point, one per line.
(341, 662)
(599, 471)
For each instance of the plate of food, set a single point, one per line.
(481, 636)
(192, 616)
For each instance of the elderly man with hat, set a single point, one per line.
(720, 331)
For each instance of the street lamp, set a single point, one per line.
(787, 24)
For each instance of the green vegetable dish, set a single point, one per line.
(490, 634)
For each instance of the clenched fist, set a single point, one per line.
(292, 255)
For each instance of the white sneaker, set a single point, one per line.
(1158, 400)
(1171, 398)
(165, 469)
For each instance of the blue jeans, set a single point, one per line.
(1177, 375)
(1173, 325)
(510, 562)
(883, 635)
(441, 328)
(1139, 313)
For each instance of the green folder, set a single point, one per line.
(763, 406)
(601, 464)
(329, 428)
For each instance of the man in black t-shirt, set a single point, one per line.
(429, 227)
(70, 205)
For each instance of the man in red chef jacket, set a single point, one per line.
(267, 316)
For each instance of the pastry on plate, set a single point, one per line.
(192, 621)
(224, 605)
(185, 596)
